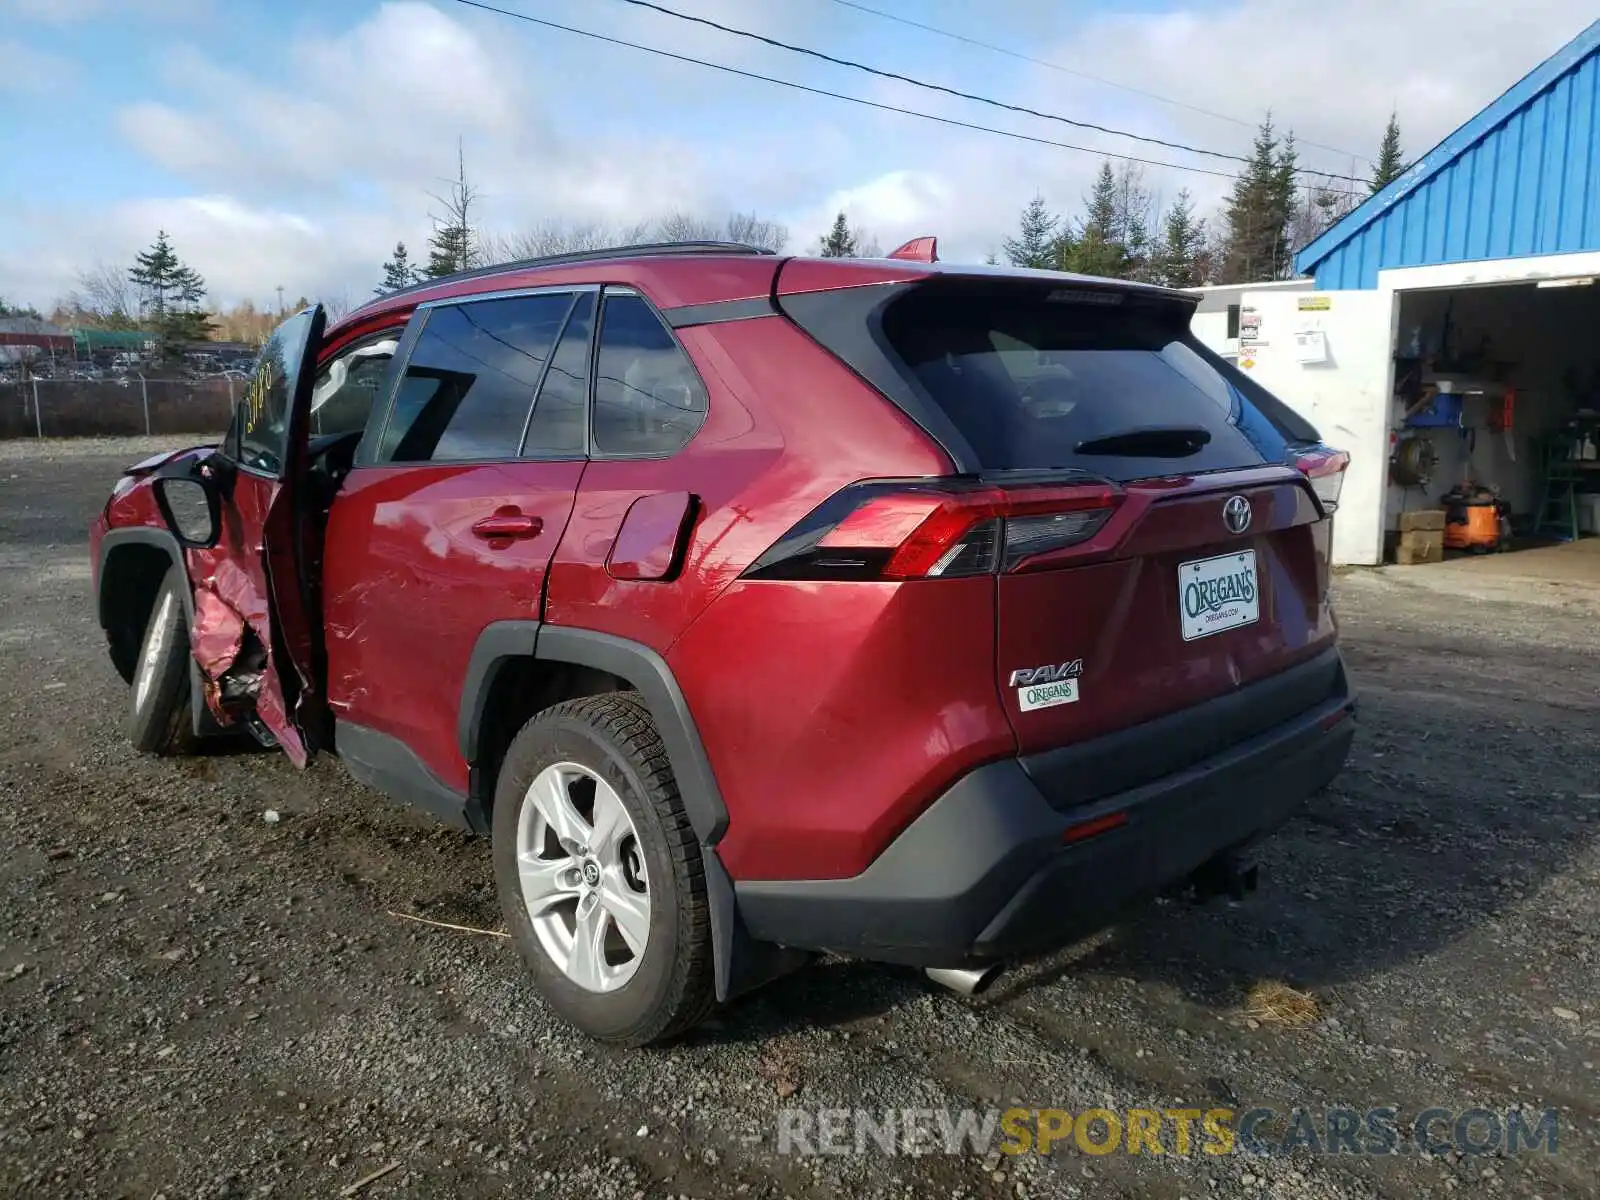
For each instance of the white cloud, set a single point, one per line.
(304, 166)
(27, 70)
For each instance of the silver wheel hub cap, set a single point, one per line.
(582, 877)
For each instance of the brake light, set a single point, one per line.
(1324, 467)
(935, 531)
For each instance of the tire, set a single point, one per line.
(159, 721)
(629, 992)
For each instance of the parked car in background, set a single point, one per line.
(758, 606)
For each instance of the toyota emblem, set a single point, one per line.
(1236, 514)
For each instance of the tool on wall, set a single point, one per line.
(1413, 461)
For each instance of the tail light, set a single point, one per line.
(1324, 467)
(883, 530)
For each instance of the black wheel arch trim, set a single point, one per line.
(631, 661)
(739, 961)
(161, 539)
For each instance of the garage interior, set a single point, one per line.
(1496, 428)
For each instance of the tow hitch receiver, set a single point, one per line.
(1231, 874)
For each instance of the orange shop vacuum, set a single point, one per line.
(1476, 520)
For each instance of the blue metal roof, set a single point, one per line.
(1521, 178)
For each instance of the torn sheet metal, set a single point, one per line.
(218, 633)
(231, 611)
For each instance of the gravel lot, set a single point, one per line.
(196, 1002)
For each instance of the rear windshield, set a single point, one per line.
(1043, 380)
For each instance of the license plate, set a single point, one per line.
(1215, 594)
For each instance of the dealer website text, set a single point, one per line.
(1164, 1131)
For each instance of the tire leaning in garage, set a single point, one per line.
(590, 838)
(160, 722)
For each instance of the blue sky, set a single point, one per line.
(293, 142)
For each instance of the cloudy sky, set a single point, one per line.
(287, 142)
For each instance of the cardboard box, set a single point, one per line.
(1420, 547)
(1422, 520)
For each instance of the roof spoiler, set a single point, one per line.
(922, 249)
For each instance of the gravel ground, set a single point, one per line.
(197, 1002)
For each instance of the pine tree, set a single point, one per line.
(1099, 248)
(1391, 161)
(159, 276)
(171, 292)
(1263, 204)
(839, 242)
(1285, 206)
(1035, 244)
(453, 245)
(1182, 244)
(397, 272)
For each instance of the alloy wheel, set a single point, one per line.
(583, 876)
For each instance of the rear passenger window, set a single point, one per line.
(469, 383)
(556, 430)
(648, 401)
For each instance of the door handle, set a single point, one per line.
(508, 523)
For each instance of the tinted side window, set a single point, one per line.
(556, 430)
(347, 388)
(647, 398)
(470, 380)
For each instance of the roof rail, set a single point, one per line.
(640, 250)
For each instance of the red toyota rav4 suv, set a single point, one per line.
(759, 606)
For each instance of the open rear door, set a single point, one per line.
(256, 634)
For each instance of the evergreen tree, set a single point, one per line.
(449, 251)
(171, 293)
(839, 242)
(1391, 161)
(1064, 251)
(162, 279)
(19, 310)
(1260, 210)
(1098, 248)
(1286, 207)
(1036, 243)
(397, 272)
(453, 245)
(1182, 244)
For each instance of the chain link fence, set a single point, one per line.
(132, 404)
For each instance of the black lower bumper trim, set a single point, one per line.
(984, 873)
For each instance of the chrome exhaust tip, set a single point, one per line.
(964, 980)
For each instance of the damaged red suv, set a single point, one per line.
(759, 606)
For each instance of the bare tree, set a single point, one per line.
(754, 230)
(105, 293)
(1326, 203)
(680, 226)
(337, 305)
(556, 237)
(559, 237)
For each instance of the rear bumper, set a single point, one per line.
(985, 873)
